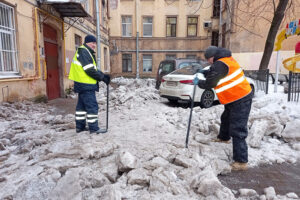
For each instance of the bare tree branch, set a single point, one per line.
(277, 19)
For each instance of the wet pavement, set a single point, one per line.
(62, 106)
(284, 178)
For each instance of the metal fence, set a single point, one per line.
(260, 77)
(294, 87)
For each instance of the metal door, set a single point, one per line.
(51, 56)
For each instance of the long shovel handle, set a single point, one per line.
(190, 118)
(107, 101)
(107, 107)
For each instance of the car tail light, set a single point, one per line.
(189, 82)
(163, 80)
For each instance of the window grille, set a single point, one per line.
(8, 52)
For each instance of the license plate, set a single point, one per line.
(171, 83)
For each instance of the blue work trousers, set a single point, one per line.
(87, 110)
(234, 122)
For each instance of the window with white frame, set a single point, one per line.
(147, 26)
(8, 52)
(126, 26)
(147, 63)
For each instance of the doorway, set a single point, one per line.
(51, 56)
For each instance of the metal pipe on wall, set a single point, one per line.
(98, 36)
(220, 25)
(137, 39)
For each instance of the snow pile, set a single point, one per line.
(143, 155)
(130, 92)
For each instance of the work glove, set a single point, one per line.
(201, 84)
(106, 79)
(203, 71)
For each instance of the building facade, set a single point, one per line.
(38, 39)
(145, 32)
(244, 27)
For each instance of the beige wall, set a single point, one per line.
(160, 10)
(250, 32)
(31, 81)
(159, 44)
(251, 60)
(152, 44)
(17, 88)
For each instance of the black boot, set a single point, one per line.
(99, 131)
(80, 130)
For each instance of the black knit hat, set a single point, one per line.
(210, 52)
(90, 38)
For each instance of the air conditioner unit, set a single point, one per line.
(207, 24)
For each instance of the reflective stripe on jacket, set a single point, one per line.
(234, 85)
(77, 72)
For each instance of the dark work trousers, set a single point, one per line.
(234, 122)
(87, 110)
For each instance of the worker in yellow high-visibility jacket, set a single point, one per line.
(86, 76)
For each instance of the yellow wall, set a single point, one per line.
(31, 80)
(160, 10)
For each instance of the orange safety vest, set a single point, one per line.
(234, 85)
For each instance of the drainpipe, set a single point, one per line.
(98, 36)
(137, 39)
(220, 25)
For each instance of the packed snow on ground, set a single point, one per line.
(143, 155)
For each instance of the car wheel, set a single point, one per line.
(207, 99)
(157, 85)
(173, 100)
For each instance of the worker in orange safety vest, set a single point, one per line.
(234, 91)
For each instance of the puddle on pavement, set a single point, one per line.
(284, 178)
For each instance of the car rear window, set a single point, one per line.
(184, 64)
(188, 70)
(166, 67)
